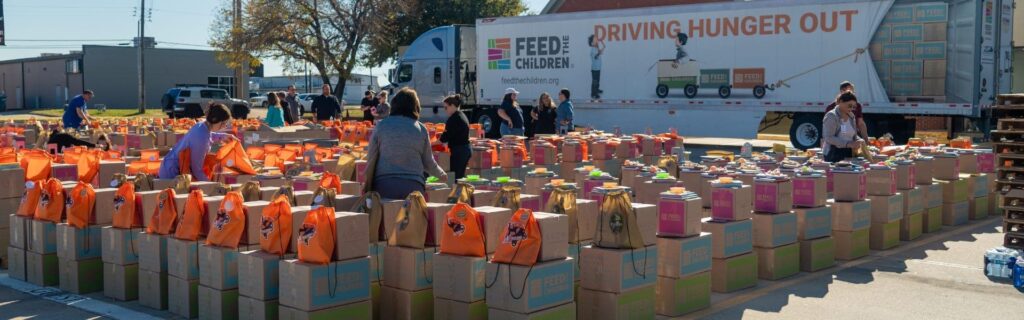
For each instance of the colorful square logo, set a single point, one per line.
(498, 54)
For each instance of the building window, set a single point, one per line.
(74, 66)
(226, 83)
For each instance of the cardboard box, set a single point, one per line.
(42, 237)
(16, 263)
(633, 304)
(153, 289)
(103, 209)
(120, 246)
(773, 197)
(810, 191)
(183, 297)
(678, 217)
(911, 226)
(459, 278)
(362, 310)
(574, 253)
(18, 231)
(377, 261)
(259, 273)
(906, 174)
(150, 200)
(408, 268)
(565, 311)
(968, 163)
(978, 185)
(955, 214)
(913, 200)
(183, 258)
(732, 204)
(683, 257)
(152, 252)
(729, 239)
(650, 191)
(885, 236)
(932, 195)
(881, 182)
(64, 172)
(80, 276)
(817, 254)
(977, 208)
(932, 220)
(547, 284)
(812, 223)
(647, 222)
(79, 244)
(402, 304)
(494, 220)
(777, 263)
(219, 267)
(679, 296)
(733, 274)
(304, 286)
(849, 186)
(304, 198)
(946, 167)
(121, 282)
(849, 216)
(375, 289)
(923, 168)
(212, 205)
(13, 181)
(458, 310)
(217, 304)
(885, 209)
(617, 270)
(774, 230)
(352, 235)
(483, 197)
(249, 308)
(851, 245)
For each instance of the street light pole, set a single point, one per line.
(142, 65)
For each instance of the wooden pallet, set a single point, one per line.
(1010, 225)
(922, 99)
(1010, 124)
(1014, 240)
(1010, 99)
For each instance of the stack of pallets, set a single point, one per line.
(1008, 144)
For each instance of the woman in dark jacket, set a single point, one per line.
(544, 115)
(456, 135)
(289, 118)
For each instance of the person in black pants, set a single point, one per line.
(456, 135)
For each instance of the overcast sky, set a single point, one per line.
(57, 26)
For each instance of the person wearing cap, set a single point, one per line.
(511, 115)
(75, 113)
(858, 111)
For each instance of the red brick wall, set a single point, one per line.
(593, 5)
(930, 123)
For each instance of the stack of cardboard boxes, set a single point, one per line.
(574, 155)
(543, 290)
(813, 221)
(931, 193)
(775, 228)
(602, 153)
(851, 213)
(407, 288)
(79, 250)
(121, 262)
(886, 207)
(978, 184)
(733, 262)
(259, 270)
(183, 266)
(684, 268)
(912, 224)
(337, 290)
(218, 266)
(13, 187)
(955, 193)
(909, 51)
(153, 261)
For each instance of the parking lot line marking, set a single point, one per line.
(73, 300)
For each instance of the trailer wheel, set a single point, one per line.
(690, 91)
(805, 132)
(724, 92)
(661, 91)
(759, 91)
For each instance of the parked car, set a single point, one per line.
(192, 102)
(258, 100)
(306, 102)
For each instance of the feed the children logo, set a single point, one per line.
(524, 53)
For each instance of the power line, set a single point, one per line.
(67, 40)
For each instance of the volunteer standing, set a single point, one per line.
(839, 128)
(383, 108)
(368, 104)
(292, 98)
(565, 112)
(197, 141)
(456, 135)
(76, 112)
(326, 106)
(858, 110)
(275, 114)
(401, 146)
(511, 115)
(544, 115)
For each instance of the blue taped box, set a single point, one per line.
(542, 286)
(259, 272)
(729, 238)
(119, 246)
(932, 195)
(899, 14)
(885, 209)
(905, 87)
(883, 68)
(574, 253)
(682, 257)
(377, 261)
(79, 244)
(42, 237)
(882, 34)
(617, 270)
(408, 268)
(183, 259)
(913, 201)
(930, 50)
(152, 252)
(813, 223)
(459, 278)
(219, 267)
(850, 216)
(931, 12)
(307, 286)
(954, 214)
(907, 33)
(774, 230)
(907, 68)
(893, 51)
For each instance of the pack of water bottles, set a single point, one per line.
(1000, 262)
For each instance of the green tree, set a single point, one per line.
(404, 20)
(327, 34)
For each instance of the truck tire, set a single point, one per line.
(724, 92)
(759, 92)
(690, 91)
(661, 91)
(805, 132)
(192, 110)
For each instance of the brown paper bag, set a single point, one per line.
(411, 224)
(617, 227)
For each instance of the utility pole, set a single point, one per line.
(242, 71)
(141, 42)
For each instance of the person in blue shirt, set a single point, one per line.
(564, 112)
(75, 113)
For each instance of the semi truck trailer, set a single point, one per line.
(716, 69)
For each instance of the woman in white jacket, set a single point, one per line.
(839, 130)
